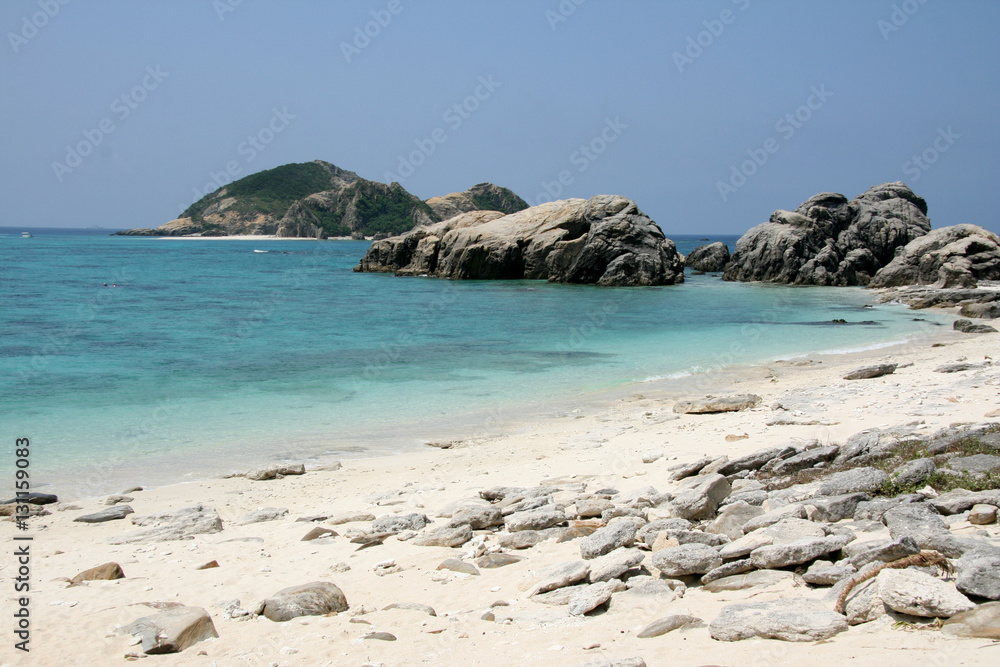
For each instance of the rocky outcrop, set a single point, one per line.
(829, 240)
(709, 258)
(480, 197)
(957, 256)
(605, 240)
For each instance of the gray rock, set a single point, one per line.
(411, 606)
(982, 514)
(446, 536)
(824, 573)
(118, 498)
(793, 511)
(869, 372)
(831, 509)
(697, 537)
(349, 517)
(956, 256)
(959, 500)
(829, 240)
(614, 564)
(957, 367)
(864, 604)
(852, 481)
(172, 630)
(292, 469)
(537, 519)
(591, 507)
(649, 532)
(791, 529)
(397, 523)
(731, 519)
(982, 622)
(977, 463)
(262, 474)
(918, 594)
(589, 598)
(561, 575)
(615, 512)
(478, 518)
(926, 527)
(979, 572)
(262, 515)
(804, 460)
(559, 596)
(490, 561)
(524, 539)
(702, 499)
(874, 510)
(458, 565)
(886, 552)
(968, 326)
(686, 559)
(180, 525)
(739, 582)
(788, 619)
(662, 626)
(618, 662)
(709, 258)
(715, 404)
(620, 533)
(797, 552)
(316, 598)
(742, 547)
(729, 569)
(913, 473)
(684, 470)
(110, 514)
(755, 460)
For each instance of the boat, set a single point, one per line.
(25, 235)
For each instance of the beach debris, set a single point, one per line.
(318, 532)
(195, 520)
(317, 598)
(105, 572)
(261, 515)
(715, 404)
(787, 619)
(172, 630)
(110, 514)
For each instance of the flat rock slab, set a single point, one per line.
(497, 560)
(262, 515)
(715, 404)
(869, 372)
(561, 575)
(615, 564)
(349, 517)
(456, 565)
(753, 579)
(411, 606)
(590, 597)
(982, 622)
(787, 619)
(172, 630)
(918, 594)
(687, 559)
(607, 539)
(852, 481)
(32, 498)
(397, 523)
(446, 536)
(182, 524)
(316, 598)
(670, 623)
(110, 514)
(797, 552)
(537, 519)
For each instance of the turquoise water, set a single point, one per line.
(209, 357)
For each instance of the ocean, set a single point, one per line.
(204, 357)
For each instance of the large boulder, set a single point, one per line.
(829, 240)
(711, 257)
(172, 630)
(788, 619)
(956, 256)
(316, 598)
(605, 240)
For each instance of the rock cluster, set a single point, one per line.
(708, 258)
(957, 256)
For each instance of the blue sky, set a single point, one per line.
(710, 115)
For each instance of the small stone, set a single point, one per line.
(411, 606)
(210, 565)
(668, 624)
(869, 372)
(317, 533)
(110, 514)
(456, 565)
(381, 636)
(497, 560)
(261, 515)
(106, 572)
(982, 515)
(650, 457)
(118, 498)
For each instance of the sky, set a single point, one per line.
(710, 115)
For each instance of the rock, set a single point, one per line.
(32, 498)
(180, 525)
(292, 469)
(824, 573)
(561, 575)
(559, 596)
(480, 197)
(490, 561)
(874, 510)
(261, 515)
(918, 594)
(524, 539)
(979, 572)
(397, 523)
(262, 474)
(701, 500)
(793, 511)
(317, 533)
(791, 529)
(381, 636)
(349, 517)
(913, 473)
(446, 536)
(589, 598)
(591, 507)
(652, 456)
(649, 532)
(613, 565)
(106, 572)
(118, 498)
(864, 604)
(172, 630)
(729, 569)
(982, 514)
(456, 565)
(869, 372)
(804, 460)
(967, 326)
(977, 463)
(411, 606)
(886, 552)
(110, 514)
(831, 509)
(316, 598)
(210, 565)
(670, 623)
(478, 518)
(618, 662)
(686, 559)
(797, 552)
(982, 622)
(731, 519)
(852, 481)
(708, 258)
(788, 619)
(830, 241)
(752, 579)
(755, 460)
(619, 533)
(956, 256)
(743, 546)
(605, 240)
(960, 500)
(538, 519)
(684, 470)
(957, 367)
(715, 404)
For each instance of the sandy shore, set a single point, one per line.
(600, 447)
